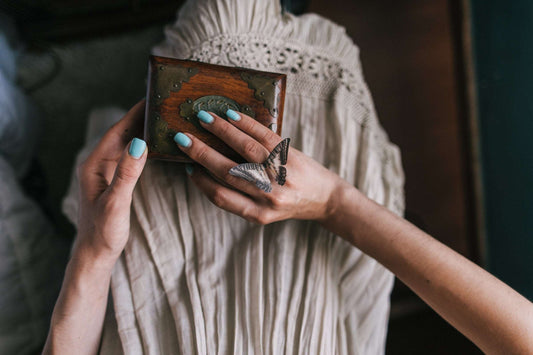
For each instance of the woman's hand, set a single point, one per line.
(307, 193)
(107, 179)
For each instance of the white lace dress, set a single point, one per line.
(195, 279)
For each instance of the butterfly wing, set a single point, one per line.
(276, 160)
(254, 173)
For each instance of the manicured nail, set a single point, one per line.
(205, 117)
(137, 148)
(233, 115)
(182, 140)
(189, 169)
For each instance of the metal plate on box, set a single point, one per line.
(211, 103)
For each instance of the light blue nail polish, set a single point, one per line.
(205, 117)
(189, 169)
(137, 148)
(182, 140)
(233, 115)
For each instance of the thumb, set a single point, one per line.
(129, 169)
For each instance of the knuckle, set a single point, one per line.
(126, 174)
(231, 180)
(218, 197)
(268, 136)
(223, 128)
(263, 220)
(256, 215)
(248, 124)
(228, 178)
(276, 200)
(254, 219)
(248, 214)
(201, 154)
(251, 149)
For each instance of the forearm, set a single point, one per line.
(491, 314)
(78, 316)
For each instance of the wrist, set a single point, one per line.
(85, 287)
(336, 202)
(86, 256)
(343, 210)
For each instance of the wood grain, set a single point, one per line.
(409, 60)
(211, 80)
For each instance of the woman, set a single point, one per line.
(492, 315)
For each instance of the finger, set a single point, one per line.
(215, 162)
(128, 170)
(120, 134)
(224, 197)
(243, 144)
(254, 129)
(98, 170)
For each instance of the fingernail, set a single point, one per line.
(233, 115)
(189, 169)
(205, 117)
(182, 139)
(137, 148)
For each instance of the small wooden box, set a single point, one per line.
(179, 89)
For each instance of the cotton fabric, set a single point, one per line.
(195, 279)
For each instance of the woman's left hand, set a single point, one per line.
(307, 194)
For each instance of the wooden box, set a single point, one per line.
(179, 89)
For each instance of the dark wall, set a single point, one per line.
(410, 62)
(503, 43)
(407, 52)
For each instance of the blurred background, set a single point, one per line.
(451, 82)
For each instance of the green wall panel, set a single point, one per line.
(503, 47)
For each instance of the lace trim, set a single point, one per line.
(251, 51)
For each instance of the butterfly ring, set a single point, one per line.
(257, 172)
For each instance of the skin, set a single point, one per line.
(487, 311)
(107, 179)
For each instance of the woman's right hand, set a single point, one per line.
(308, 193)
(107, 179)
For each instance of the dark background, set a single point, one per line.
(503, 33)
